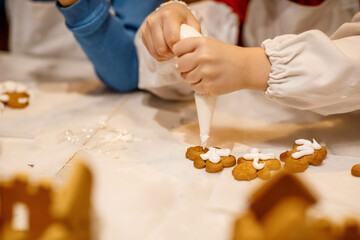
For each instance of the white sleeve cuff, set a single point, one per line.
(311, 72)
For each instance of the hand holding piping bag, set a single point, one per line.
(205, 104)
(214, 68)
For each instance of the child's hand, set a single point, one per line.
(161, 29)
(213, 67)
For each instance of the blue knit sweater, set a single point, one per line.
(107, 37)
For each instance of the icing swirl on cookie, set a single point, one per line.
(214, 154)
(306, 148)
(255, 155)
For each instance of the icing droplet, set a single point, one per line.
(204, 138)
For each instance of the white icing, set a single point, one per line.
(23, 100)
(4, 98)
(305, 147)
(256, 155)
(214, 155)
(120, 135)
(205, 104)
(11, 86)
(203, 138)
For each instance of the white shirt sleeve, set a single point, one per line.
(311, 71)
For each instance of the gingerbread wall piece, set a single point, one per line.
(304, 152)
(285, 217)
(63, 214)
(255, 164)
(350, 229)
(281, 186)
(212, 159)
(247, 227)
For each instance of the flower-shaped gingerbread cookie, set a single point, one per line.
(213, 159)
(304, 152)
(14, 95)
(255, 164)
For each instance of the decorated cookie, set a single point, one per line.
(14, 95)
(355, 170)
(213, 159)
(304, 152)
(255, 164)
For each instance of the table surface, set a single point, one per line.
(144, 186)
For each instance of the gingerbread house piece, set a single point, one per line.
(278, 210)
(46, 213)
(247, 227)
(283, 185)
(351, 230)
(286, 219)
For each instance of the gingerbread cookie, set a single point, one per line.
(14, 95)
(304, 152)
(355, 170)
(255, 164)
(213, 159)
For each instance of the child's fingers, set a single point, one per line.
(186, 62)
(193, 76)
(191, 21)
(148, 42)
(146, 37)
(187, 45)
(159, 43)
(171, 30)
(202, 88)
(198, 87)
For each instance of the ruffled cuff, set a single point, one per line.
(85, 16)
(295, 67)
(311, 72)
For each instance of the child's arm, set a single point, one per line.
(214, 67)
(107, 38)
(161, 29)
(311, 71)
(308, 71)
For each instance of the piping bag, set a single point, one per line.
(205, 104)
